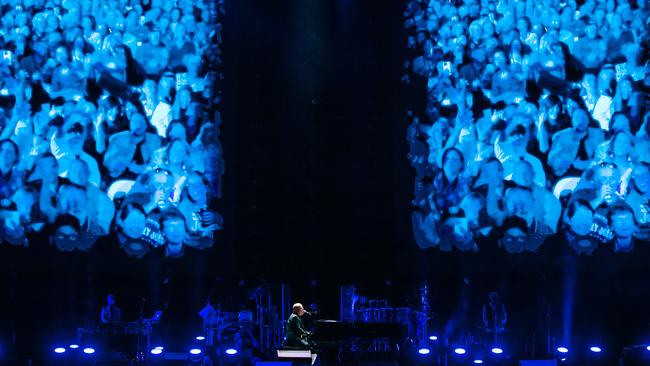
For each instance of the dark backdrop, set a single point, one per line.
(316, 193)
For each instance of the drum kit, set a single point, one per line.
(380, 311)
(220, 325)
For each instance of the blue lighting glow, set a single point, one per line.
(424, 351)
(460, 351)
(89, 350)
(74, 346)
(478, 362)
(195, 351)
(59, 350)
(433, 338)
(231, 351)
(497, 350)
(200, 338)
(159, 347)
(156, 351)
(595, 349)
(647, 348)
(563, 350)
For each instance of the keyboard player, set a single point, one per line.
(296, 335)
(111, 313)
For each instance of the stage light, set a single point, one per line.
(200, 338)
(460, 351)
(424, 351)
(478, 362)
(595, 349)
(74, 346)
(497, 350)
(59, 350)
(89, 350)
(433, 338)
(157, 354)
(194, 355)
(647, 348)
(563, 350)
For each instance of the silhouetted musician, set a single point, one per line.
(494, 315)
(111, 313)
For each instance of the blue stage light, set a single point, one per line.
(497, 350)
(424, 351)
(460, 351)
(156, 351)
(195, 351)
(563, 350)
(74, 346)
(595, 349)
(433, 338)
(231, 351)
(89, 350)
(647, 348)
(200, 338)
(59, 350)
(478, 362)
(159, 347)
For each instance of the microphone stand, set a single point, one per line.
(140, 354)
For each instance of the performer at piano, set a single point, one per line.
(296, 333)
(111, 313)
(494, 314)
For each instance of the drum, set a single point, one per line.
(371, 315)
(387, 315)
(402, 315)
(245, 316)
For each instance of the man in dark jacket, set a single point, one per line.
(296, 332)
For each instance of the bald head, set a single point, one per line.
(298, 309)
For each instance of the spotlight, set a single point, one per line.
(59, 350)
(73, 346)
(460, 351)
(563, 350)
(497, 350)
(424, 351)
(89, 350)
(647, 348)
(194, 355)
(157, 354)
(433, 338)
(595, 349)
(478, 361)
(231, 351)
(200, 338)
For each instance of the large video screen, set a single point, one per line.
(534, 123)
(109, 123)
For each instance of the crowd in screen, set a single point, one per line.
(109, 123)
(535, 123)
